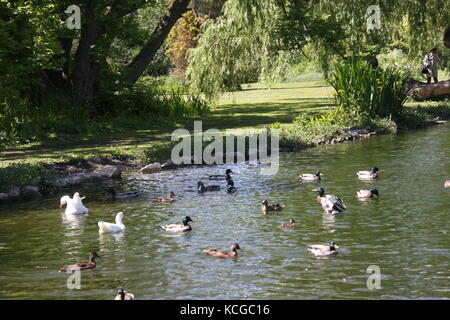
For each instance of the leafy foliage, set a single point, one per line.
(375, 91)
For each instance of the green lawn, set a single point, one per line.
(254, 107)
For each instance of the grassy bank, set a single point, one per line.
(304, 111)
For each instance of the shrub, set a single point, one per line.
(375, 91)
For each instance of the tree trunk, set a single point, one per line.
(429, 91)
(141, 61)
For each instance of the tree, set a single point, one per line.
(69, 62)
(183, 37)
(256, 36)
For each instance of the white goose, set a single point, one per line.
(105, 227)
(74, 205)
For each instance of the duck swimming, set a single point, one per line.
(105, 227)
(230, 187)
(330, 203)
(224, 254)
(202, 187)
(290, 224)
(323, 250)
(311, 177)
(270, 207)
(367, 193)
(74, 205)
(126, 195)
(124, 295)
(82, 266)
(221, 177)
(368, 175)
(179, 227)
(166, 200)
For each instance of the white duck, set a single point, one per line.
(105, 227)
(74, 205)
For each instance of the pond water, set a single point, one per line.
(405, 232)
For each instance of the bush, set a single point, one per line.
(378, 92)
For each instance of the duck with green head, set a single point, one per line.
(368, 175)
(311, 177)
(367, 193)
(179, 227)
(330, 203)
(323, 250)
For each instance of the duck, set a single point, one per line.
(290, 224)
(105, 227)
(166, 200)
(367, 193)
(311, 177)
(230, 186)
(368, 175)
(126, 195)
(221, 177)
(74, 205)
(330, 203)
(324, 250)
(179, 227)
(447, 184)
(208, 188)
(82, 266)
(270, 207)
(124, 295)
(224, 254)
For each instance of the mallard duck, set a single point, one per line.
(447, 184)
(368, 175)
(179, 227)
(208, 188)
(125, 195)
(221, 177)
(323, 250)
(311, 177)
(224, 254)
(82, 266)
(330, 203)
(166, 200)
(367, 193)
(74, 205)
(124, 295)
(270, 207)
(105, 227)
(290, 224)
(230, 186)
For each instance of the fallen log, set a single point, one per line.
(421, 91)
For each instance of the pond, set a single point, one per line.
(405, 232)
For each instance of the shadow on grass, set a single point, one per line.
(129, 134)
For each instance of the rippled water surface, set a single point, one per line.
(405, 232)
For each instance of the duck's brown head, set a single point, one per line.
(171, 194)
(235, 247)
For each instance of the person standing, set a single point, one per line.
(431, 62)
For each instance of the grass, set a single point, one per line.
(255, 107)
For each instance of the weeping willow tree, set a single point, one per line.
(261, 38)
